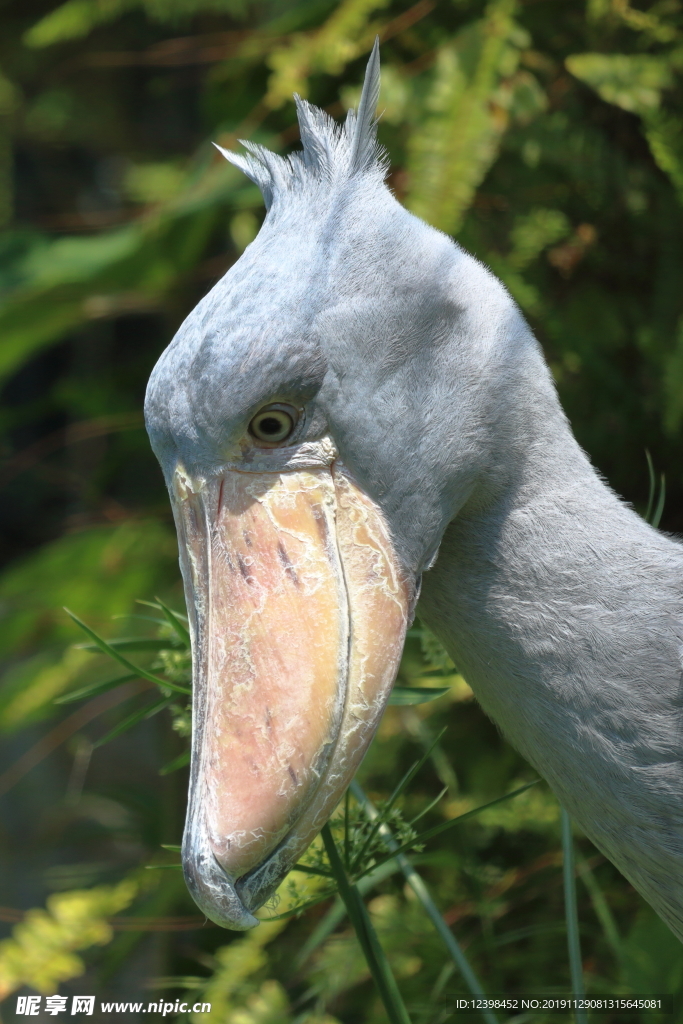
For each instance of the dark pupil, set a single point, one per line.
(271, 425)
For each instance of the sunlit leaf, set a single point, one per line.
(42, 951)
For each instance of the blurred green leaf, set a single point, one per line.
(106, 648)
(101, 570)
(133, 644)
(178, 762)
(409, 695)
(95, 688)
(70, 281)
(77, 18)
(466, 114)
(133, 719)
(633, 82)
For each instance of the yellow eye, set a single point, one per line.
(274, 424)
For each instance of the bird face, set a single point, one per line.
(285, 415)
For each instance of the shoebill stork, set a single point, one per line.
(357, 410)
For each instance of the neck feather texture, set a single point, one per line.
(564, 611)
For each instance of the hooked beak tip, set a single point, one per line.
(214, 891)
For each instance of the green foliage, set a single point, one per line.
(42, 950)
(77, 18)
(344, 36)
(633, 82)
(548, 136)
(472, 95)
(100, 571)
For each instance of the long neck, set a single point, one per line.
(564, 611)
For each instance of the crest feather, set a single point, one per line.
(331, 152)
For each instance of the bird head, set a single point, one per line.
(305, 420)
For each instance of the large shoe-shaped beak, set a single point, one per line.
(298, 610)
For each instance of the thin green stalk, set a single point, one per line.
(337, 913)
(601, 908)
(347, 834)
(407, 778)
(134, 718)
(653, 513)
(442, 765)
(113, 653)
(430, 806)
(367, 936)
(93, 689)
(657, 514)
(573, 940)
(438, 829)
(420, 889)
(174, 622)
(653, 486)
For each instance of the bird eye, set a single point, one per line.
(274, 424)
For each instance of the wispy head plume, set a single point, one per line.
(331, 152)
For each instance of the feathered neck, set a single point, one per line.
(564, 611)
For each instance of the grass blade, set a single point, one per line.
(404, 695)
(133, 719)
(418, 886)
(407, 778)
(418, 728)
(301, 909)
(157, 607)
(113, 653)
(306, 869)
(651, 492)
(337, 912)
(94, 689)
(438, 829)
(653, 514)
(347, 833)
(130, 644)
(367, 936)
(601, 908)
(430, 805)
(178, 762)
(573, 941)
(657, 514)
(180, 630)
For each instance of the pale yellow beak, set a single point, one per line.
(298, 614)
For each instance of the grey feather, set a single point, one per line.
(331, 154)
(363, 146)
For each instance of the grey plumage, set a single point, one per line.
(561, 606)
